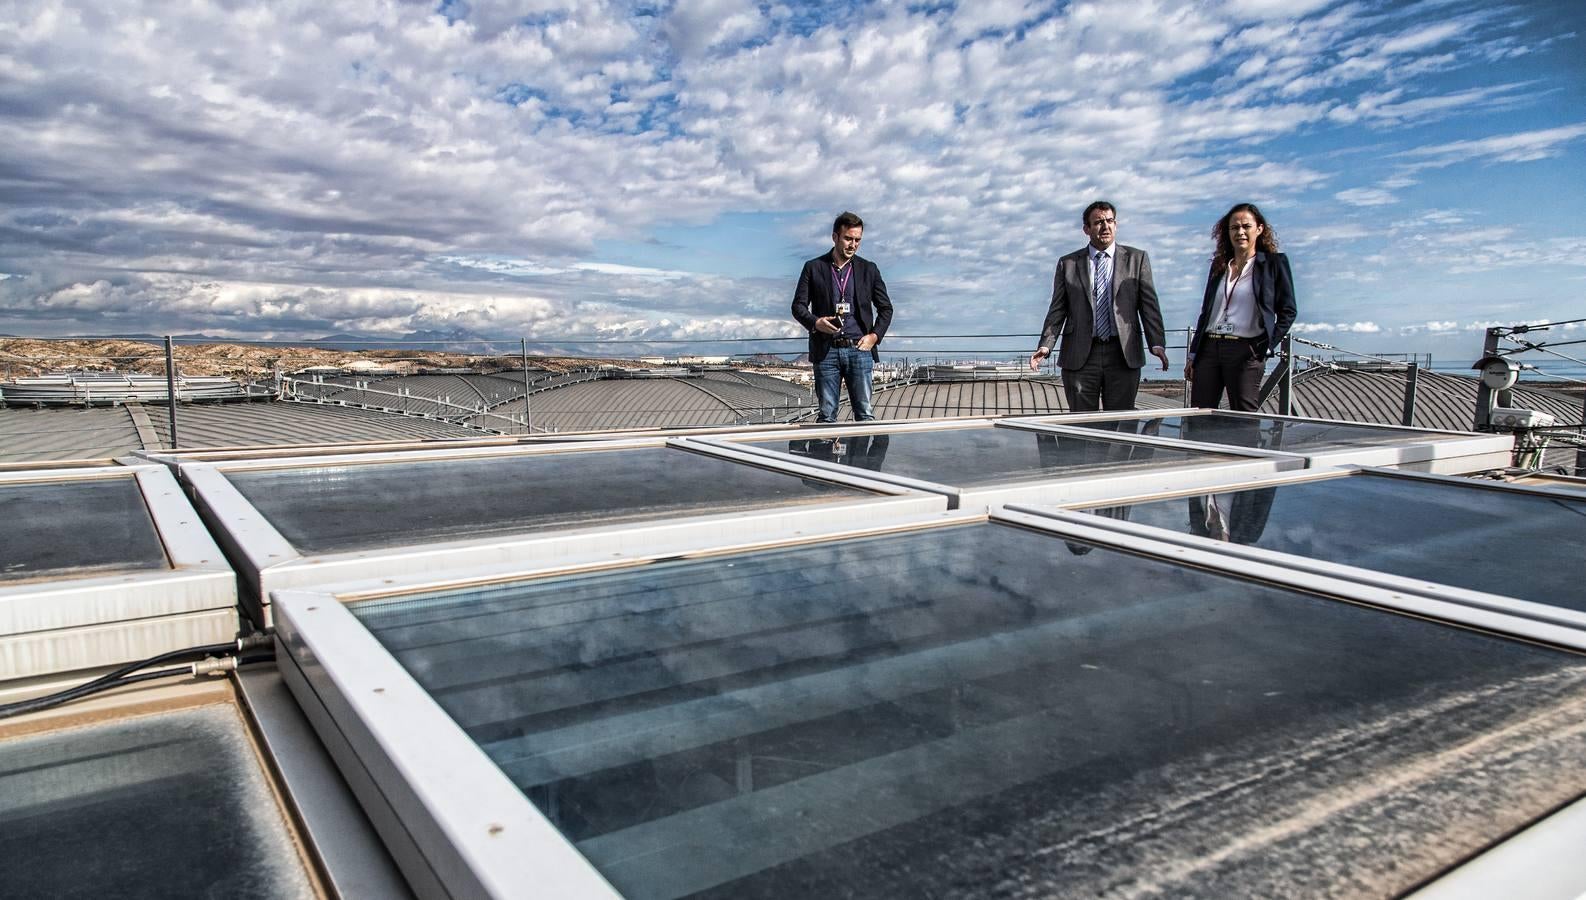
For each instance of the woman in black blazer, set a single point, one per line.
(1246, 313)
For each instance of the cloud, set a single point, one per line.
(1336, 327)
(1365, 197)
(369, 164)
(1525, 146)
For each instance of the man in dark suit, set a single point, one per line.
(843, 302)
(1105, 310)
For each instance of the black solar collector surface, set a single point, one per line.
(322, 509)
(1262, 433)
(1503, 542)
(968, 457)
(75, 527)
(162, 806)
(989, 711)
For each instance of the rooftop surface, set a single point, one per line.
(1180, 652)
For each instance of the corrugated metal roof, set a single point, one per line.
(1377, 395)
(63, 433)
(267, 424)
(67, 433)
(649, 403)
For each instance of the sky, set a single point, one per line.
(653, 172)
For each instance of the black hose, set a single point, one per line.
(124, 676)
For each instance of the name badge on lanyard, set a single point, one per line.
(1224, 326)
(840, 280)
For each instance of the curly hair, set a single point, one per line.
(1266, 243)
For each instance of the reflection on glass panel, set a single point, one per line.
(322, 509)
(988, 711)
(170, 805)
(1262, 433)
(1504, 542)
(968, 457)
(71, 528)
(1572, 485)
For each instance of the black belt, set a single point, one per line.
(1106, 340)
(1227, 337)
(844, 342)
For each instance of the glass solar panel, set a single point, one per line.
(75, 528)
(1503, 542)
(1263, 433)
(321, 509)
(969, 457)
(170, 805)
(988, 711)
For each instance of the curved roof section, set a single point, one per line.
(1377, 394)
(623, 403)
(60, 434)
(1364, 394)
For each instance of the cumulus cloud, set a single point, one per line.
(298, 168)
(1336, 327)
(1365, 197)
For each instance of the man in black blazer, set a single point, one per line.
(1105, 310)
(843, 302)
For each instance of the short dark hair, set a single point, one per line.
(846, 221)
(1084, 218)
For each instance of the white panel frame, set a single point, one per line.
(1083, 487)
(277, 453)
(475, 833)
(1442, 452)
(1541, 862)
(445, 792)
(62, 623)
(268, 562)
(1480, 600)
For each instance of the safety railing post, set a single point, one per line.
(170, 388)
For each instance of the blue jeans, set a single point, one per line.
(844, 364)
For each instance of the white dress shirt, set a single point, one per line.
(1236, 312)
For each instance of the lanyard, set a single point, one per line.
(841, 280)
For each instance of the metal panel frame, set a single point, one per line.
(470, 832)
(62, 623)
(1089, 486)
(1541, 862)
(247, 453)
(268, 562)
(435, 794)
(1452, 453)
(1515, 606)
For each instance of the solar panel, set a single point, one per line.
(973, 457)
(168, 805)
(75, 527)
(1486, 538)
(1264, 432)
(983, 709)
(332, 508)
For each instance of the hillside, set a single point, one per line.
(23, 357)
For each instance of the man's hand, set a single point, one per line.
(1160, 353)
(828, 325)
(1189, 371)
(868, 341)
(1038, 357)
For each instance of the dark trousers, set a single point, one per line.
(1105, 381)
(1232, 365)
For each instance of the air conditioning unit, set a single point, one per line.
(1506, 417)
